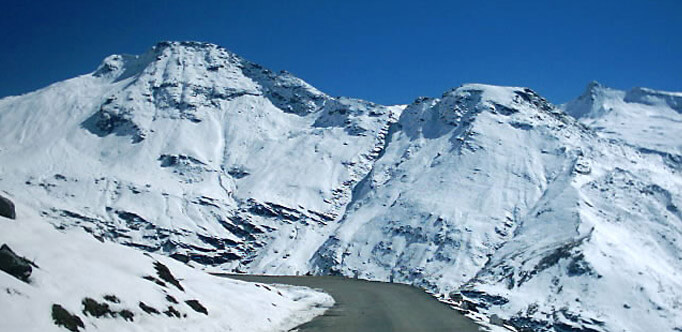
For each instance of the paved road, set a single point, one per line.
(364, 306)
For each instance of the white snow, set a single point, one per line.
(642, 117)
(71, 266)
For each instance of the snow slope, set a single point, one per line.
(72, 266)
(642, 117)
(181, 148)
(490, 194)
(493, 193)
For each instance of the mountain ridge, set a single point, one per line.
(486, 193)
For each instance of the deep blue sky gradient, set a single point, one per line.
(388, 52)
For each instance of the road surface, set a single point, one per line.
(365, 306)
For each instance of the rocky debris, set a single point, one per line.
(171, 160)
(287, 92)
(484, 299)
(112, 120)
(17, 266)
(284, 213)
(7, 208)
(133, 221)
(62, 317)
(238, 172)
(562, 321)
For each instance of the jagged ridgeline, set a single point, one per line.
(490, 194)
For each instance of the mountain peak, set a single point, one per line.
(183, 80)
(590, 103)
(186, 44)
(183, 54)
(593, 85)
(487, 96)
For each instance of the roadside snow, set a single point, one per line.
(72, 266)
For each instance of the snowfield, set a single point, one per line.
(540, 217)
(641, 117)
(71, 266)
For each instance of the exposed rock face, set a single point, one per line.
(7, 208)
(17, 266)
(69, 321)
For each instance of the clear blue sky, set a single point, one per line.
(388, 51)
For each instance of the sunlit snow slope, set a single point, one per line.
(108, 287)
(642, 117)
(490, 194)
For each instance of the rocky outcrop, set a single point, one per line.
(7, 208)
(17, 266)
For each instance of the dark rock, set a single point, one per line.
(96, 309)
(171, 312)
(17, 266)
(7, 208)
(157, 281)
(521, 125)
(165, 274)
(110, 120)
(456, 296)
(578, 266)
(127, 314)
(565, 251)
(62, 317)
(526, 324)
(238, 172)
(218, 243)
(112, 298)
(194, 304)
(171, 299)
(171, 160)
(504, 110)
(148, 309)
(180, 257)
(469, 306)
(133, 220)
(485, 298)
(561, 327)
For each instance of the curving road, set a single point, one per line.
(374, 306)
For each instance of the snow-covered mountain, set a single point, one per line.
(645, 118)
(490, 194)
(188, 149)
